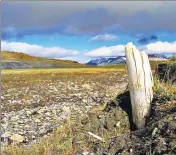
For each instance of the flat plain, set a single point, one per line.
(36, 101)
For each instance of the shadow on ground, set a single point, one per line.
(124, 102)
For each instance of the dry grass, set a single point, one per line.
(59, 143)
(72, 70)
(173, 59)
(45, 82)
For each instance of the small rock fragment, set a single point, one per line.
(66, 109)
(17, 138)
(85, 153)
(86, 86)
(154, 132)
(118, 124)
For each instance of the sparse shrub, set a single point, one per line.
(164, 91)
(173, 58)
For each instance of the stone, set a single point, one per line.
(42, 131)
(66, 109)
(48, 114)
(5, 135)
(20, 121)
(118, 124)
(86, 86)
(85, 153)
(37, 120)
(27, 126)
(28, 113)
(17, 138)
(84, 100)
(154, 132)
(22, 132)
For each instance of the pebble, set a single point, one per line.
(17, 138)
(154, 131)
(118, 124)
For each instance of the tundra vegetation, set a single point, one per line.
(82, 111)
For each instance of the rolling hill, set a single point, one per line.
(12, 60)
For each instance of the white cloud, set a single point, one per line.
(83, 57)
(37, 50)
(79, 57)
(104, 37)
(157, 47)
(161, 47)
(107, 51)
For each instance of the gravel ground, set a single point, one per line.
(34, 103)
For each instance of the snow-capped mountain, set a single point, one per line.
(162, 55)
(121, 59)
(107, 61)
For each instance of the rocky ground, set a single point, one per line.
(35, 103)
(82, 112)
(14, 65)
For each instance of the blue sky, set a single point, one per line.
(84, 30)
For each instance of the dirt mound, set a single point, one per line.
(114, 125)
(158, 137)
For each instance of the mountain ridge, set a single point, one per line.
(102, 61)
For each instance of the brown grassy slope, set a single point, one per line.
(17, 56)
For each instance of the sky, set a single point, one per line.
(83, 30)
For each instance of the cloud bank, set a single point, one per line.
(83, 57)
(37, 50)
(157, 48)
(88, 17)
